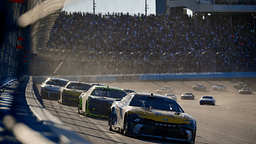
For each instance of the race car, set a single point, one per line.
(51, 86)
(207, 100)
(219, 87)
(239, 85)
(98, 99)
(151, 115)
(70, 93)
(188, 95)
(164, 90)
(199, 87)
(172, 96)
(245, 91)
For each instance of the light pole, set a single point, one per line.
(94, 5)
(146, 7)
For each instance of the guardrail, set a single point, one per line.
(65, 134)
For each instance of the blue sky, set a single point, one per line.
(105, 6)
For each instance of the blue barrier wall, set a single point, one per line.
(169, 76)
(196, 75)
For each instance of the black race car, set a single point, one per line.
(152, 115)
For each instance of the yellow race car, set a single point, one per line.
(152, 115)
(70, 93)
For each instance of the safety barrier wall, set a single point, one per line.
(167, 76)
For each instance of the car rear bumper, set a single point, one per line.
(50, 95)
(168, 133)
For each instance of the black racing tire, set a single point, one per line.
(126, 126)
(63, 100)
(86, 113)
(200, 103)
(78, 109)
(110, 120)
(194, 137)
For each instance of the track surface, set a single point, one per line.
(231, 121)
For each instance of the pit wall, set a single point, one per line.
(168, 76)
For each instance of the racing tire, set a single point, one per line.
(126, 126)
(110, 121)
(86, 113)
(194, 137)
(63, 101)
(200, 103)
(78, 109)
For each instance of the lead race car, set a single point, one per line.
(152, 115)
(98, 99)
(51, 86)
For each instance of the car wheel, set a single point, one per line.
(201, 104)
(78, 109)
(194, 137)
(126, 126)
(86, 110)
(111, 119)
(63, 100)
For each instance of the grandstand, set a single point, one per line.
(213, 40)
(220, 36)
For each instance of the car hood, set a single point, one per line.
(52, 87)
(162, 116)
(105, 98)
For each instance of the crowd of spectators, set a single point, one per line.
(118, 43)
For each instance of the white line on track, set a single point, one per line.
(58, 67)
(227, 135)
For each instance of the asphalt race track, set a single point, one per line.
(231, 121)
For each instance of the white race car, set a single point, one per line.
(219, 87)
(245, 91)
(172, 96)
(239, 85)
(50, 88)
(199, 87)
(164, 90)
(188, 95)
(207, 100)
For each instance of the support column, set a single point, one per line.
(254, 17)
(230, 21)
(207, 22)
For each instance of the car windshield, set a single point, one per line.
(57, 82)
(79, 86)
(158, 103)
(108, 92)
(207, 97)
(188, 93)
